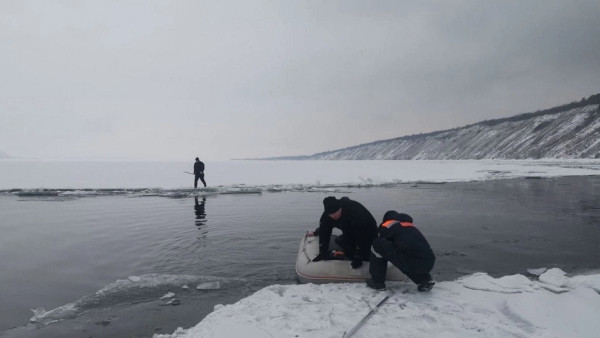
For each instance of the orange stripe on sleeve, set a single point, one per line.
(391, 222)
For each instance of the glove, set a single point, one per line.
(324, 257)
(356, 263)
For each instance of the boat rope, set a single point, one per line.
(308, 260)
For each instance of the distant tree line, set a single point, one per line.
(593, 99)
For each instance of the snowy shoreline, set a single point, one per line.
(105, 177)
(551, 305)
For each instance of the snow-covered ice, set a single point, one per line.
(477, 305)
(168, 295)
(168, 179)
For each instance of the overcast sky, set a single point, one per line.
(172, 80)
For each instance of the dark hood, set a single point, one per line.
(394, 215)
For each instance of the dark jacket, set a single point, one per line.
(410, 243)
(198, 168)
(357, 224)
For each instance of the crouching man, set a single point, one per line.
(400, 243)
(359, 229)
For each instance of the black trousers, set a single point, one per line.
(201, 177)
(387, 252)
(353, 248)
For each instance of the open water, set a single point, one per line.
(99, 265)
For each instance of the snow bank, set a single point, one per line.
(477, 305)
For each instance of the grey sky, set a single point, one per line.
(172, 80)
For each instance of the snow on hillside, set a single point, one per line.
(570, 134)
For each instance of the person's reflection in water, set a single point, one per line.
(200, 212)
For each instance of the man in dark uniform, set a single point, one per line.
(404, 246)
(199, 173)
(358, 226)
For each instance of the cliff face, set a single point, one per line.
(574, 133)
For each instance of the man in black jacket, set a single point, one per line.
(358, 226)
(404, 246)
(199, 173)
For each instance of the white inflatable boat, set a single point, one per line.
(333, 271)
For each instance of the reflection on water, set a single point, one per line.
(200, 220)
(199, 210)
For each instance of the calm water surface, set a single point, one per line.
(56, 251)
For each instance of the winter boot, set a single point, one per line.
(379, 286)
(426, 286)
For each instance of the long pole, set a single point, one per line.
(365, 318)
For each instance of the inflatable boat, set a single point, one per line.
(334, 270)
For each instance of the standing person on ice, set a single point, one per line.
(404, 246)
(358, 226)
(199, 173)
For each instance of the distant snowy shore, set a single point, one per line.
(85, 177)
